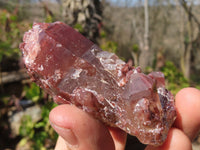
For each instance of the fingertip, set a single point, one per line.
(176, 140)
(56, 116)
(187, 102)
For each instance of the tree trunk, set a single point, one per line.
(144, 59)
(191, 42)
(85, 15)
(135, 58)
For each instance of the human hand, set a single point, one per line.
(79, 131)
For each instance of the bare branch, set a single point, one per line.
(188, 10)
(9, 77)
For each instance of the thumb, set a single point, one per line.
(79, 130)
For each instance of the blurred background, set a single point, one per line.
(161, 35)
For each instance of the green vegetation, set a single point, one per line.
(33, 92)
(10, 35)
(174, 78)
(38, 133)
(109, 46)
(79, 27)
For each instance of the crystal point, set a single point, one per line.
(74, 70)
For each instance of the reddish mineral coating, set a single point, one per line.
(74, 70)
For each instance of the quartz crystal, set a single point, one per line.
(75, 71)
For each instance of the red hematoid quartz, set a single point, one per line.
(74, 70)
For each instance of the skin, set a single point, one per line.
(74, 125)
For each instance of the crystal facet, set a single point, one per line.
(74, 70)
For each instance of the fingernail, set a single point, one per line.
(67, 134)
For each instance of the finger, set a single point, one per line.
(188, 111)
(176, 140)
(119, 137)
(80, 130)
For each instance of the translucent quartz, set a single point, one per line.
(74, 70)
